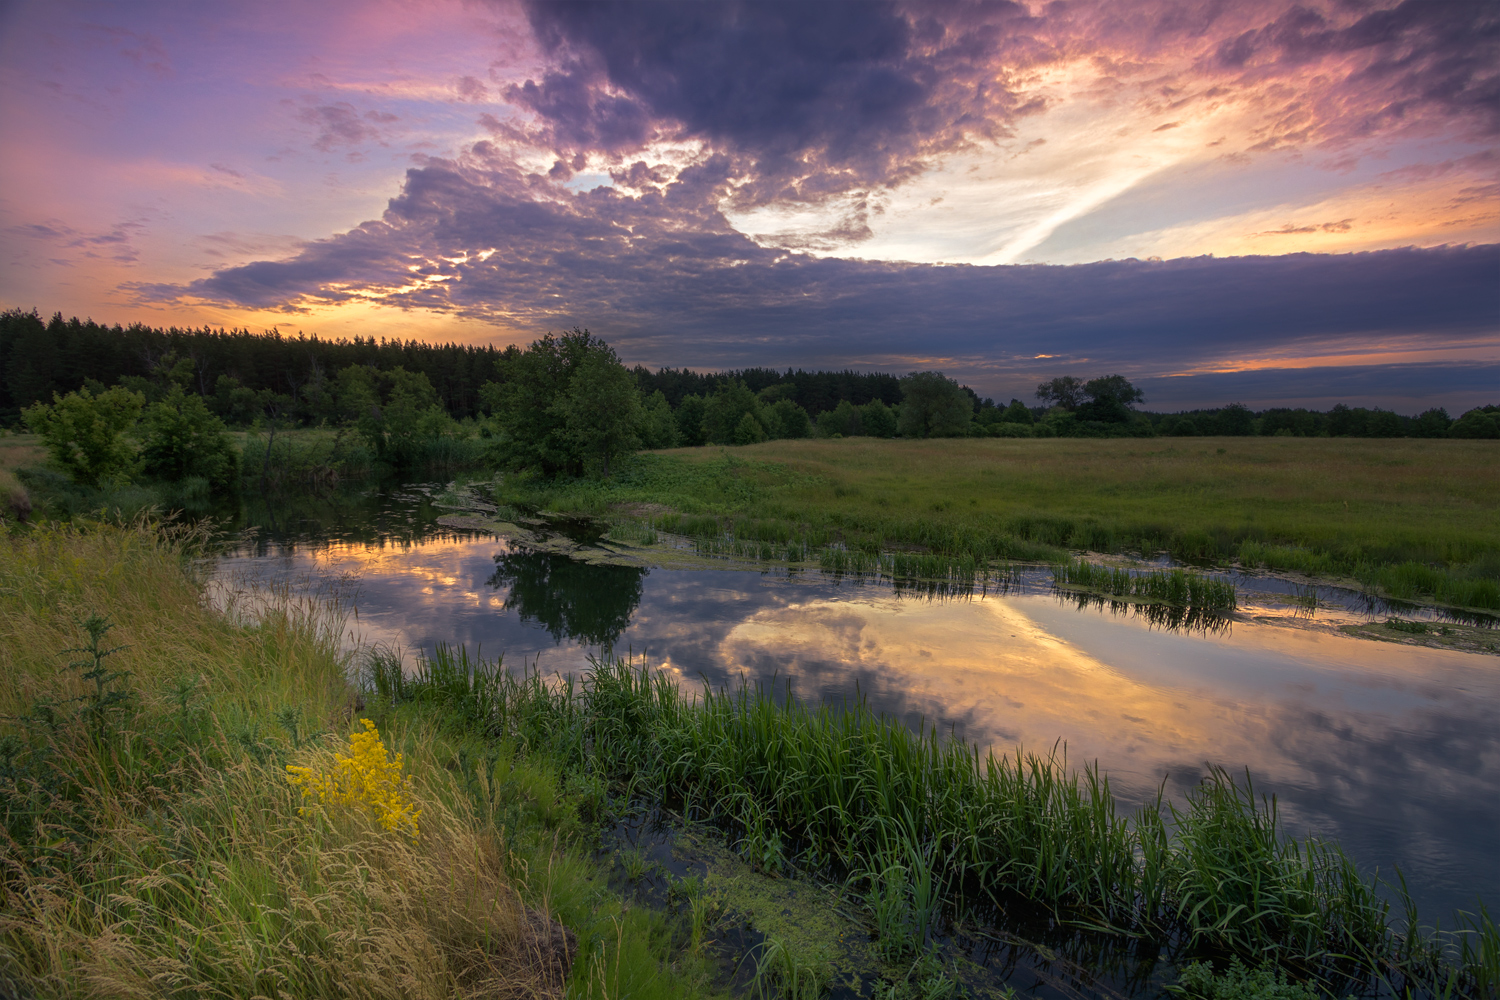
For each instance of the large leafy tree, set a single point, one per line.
(85, 432)
(878, 419)
(933, 405)
(564, 402)
(1017, 413)
(570, 599)
(724, 414)
(181, 438)
(1065, 391)
(404, 418)
(658, 426)
(1109, 399)
(689, 417)
(533, 430)
(601, 410)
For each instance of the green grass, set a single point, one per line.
(1176, 587)
(151, 846)
(1408, 518)
(924, 828)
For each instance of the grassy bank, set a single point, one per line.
(153, 847)
(16, 451)
(931, 833)
(319, 459)
(1409, 519)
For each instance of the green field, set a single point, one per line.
(1412, 519)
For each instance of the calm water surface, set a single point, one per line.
(1392, 750)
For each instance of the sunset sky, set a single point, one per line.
(1274, 203)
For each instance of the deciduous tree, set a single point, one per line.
(85, 433)
(933, 405)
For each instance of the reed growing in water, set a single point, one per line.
(928, 827)
(1177, 587)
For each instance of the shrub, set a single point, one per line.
(749, 430)
(182, 439)
(789, 419)
(1184, 428)
(844, 420)
(85, 433)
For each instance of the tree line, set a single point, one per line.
(226, 367)
(564, 405)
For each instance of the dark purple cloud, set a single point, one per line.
(1418, 57)
(796, 102)
(666, 280)
(813, 97)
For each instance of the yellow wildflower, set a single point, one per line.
(368, 777)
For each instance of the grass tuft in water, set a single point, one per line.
(925, 824)
(1177, 587)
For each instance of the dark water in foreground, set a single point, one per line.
(1392, 750)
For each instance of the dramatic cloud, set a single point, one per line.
(983, 187)
(816, 98)
(669, 282)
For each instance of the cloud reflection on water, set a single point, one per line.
(1391, 749)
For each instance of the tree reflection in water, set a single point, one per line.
(570, 599)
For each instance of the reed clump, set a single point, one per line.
(1176, 587)
(934, 826)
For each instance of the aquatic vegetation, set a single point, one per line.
(1461, 587)
(1173, 586)
(931, 826)
(1199, 982)
(796, 973)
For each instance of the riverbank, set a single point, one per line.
(153, 845)
(120, 789)
(1408, 520)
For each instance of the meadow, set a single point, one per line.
(1410, 519)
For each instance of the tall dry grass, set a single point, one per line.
(163, 854)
